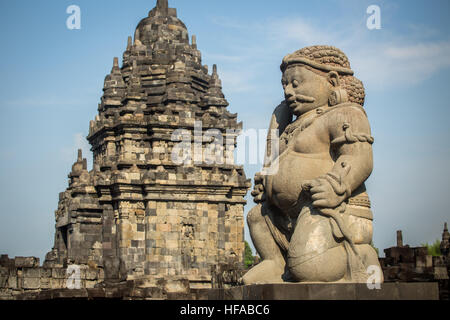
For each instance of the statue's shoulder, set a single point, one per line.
(348, 112)
(349, 107)
(349, 115)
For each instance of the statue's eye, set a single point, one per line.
(295, 83)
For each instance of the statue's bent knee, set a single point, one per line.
(328, 266)
(254, 216)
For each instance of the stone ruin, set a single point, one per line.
(141, 214)
(403, 263)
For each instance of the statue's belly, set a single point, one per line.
(294, 169)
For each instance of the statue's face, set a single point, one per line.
(305, 90)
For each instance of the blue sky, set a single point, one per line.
(52, 80)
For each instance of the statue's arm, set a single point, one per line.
(351, 146)
(280, 119)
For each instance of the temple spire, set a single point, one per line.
(445, 234)
(399, 238)
(129, 43)
(115, 67)
(162, 4)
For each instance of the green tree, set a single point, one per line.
(434, 249)
(248, 258)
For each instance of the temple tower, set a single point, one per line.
(165, 197)
(445, 243)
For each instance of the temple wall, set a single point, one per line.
(140, 214)
(24, 275)
(187, 238)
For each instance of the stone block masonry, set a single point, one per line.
(138, 214)
(23, 276)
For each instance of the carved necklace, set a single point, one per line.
(305, 120)
(302, 122)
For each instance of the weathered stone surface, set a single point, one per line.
(326, 291)
(6, 262)
(140, 213)
(31, 283)
(26, 262)
(31, 272)
(414, 264)
(313, 220)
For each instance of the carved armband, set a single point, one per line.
(351, 137)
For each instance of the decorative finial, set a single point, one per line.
(214, 72)
(80, 155)
(399, 238)
(115, 68)
(162, 4)
(194, 40)
(129, 43)
(445, 226)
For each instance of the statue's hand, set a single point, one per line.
(322, 193)
(258, 190)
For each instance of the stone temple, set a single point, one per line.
(138, 213)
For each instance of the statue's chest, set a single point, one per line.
(306, 137)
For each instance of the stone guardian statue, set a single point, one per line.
(312, 221)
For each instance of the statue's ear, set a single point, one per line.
(333, 78)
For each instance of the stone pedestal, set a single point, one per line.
(325, 291)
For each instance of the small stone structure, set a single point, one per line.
(413, 264)
(24, 275)
(165, 199)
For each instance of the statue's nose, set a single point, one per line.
(288, 92)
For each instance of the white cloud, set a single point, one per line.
(382, 65)
(298, 30)
(395, 60)
(237, 81)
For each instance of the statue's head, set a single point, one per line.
(317, 76)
